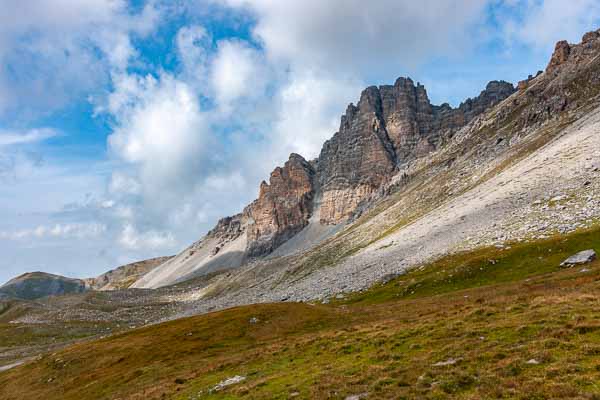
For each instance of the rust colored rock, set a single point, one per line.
(283, 207)
(390, 126)
(560, 55)
(522, 85)
(590, 36)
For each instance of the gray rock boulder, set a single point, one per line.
(583, 257)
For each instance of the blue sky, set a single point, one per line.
(127, 128)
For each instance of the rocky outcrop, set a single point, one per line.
(570, 77)
(560, 56)
(227, 230)
(356, 160)
(522, 85)
(408, 118)
(283, 207)
(390, 126)
(583, 257)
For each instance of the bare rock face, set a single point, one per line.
(570, 77)
(227, 230)
(356, 160)
(494, 93)
(590, 36)
(409, 119)
(524, 84)
(560, 56)
(283, 207)
(391, 126)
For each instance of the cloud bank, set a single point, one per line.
(201, 99)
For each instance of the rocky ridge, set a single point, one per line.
(390, 127)
(529, 161)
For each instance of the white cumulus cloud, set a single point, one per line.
(160, 130)
(54, 51)
(541, 23)
(238, 71)
(132, 239)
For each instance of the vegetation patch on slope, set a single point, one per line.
(517, 327)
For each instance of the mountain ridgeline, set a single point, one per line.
(390, 129)
(390, 126)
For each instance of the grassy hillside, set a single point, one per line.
(494, 323)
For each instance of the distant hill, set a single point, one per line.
(124, 276)
(36, 285)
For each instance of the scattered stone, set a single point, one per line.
(254, 320)
(583, 257)
(357, 396)
(533, 361)
(450, 361)
(227, 382)
(389, 277)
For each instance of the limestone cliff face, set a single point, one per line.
(409, 119)
(283, 207)
(356, 160)
(390, 126)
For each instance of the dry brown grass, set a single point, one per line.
(384, 342)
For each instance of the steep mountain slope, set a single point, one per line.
(125, 275)
(390, 127)
(40, 284)
(493, 323)
(525, 168)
